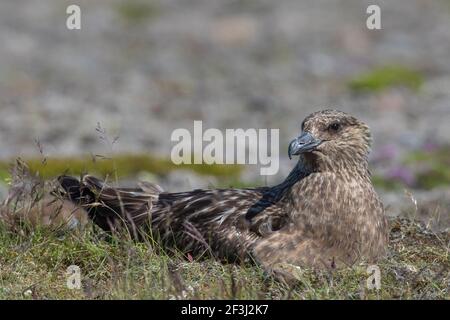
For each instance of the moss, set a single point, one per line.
(4, 174)
(385, 77)
(430, 169)
(386, 183)
(122, 166)
(435, 167)
(137, 11)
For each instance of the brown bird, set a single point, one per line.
(325, 214)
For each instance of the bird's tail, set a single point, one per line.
(109, 207)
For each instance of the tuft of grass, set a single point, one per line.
(385, 77)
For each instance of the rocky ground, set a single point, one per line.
(143, 68)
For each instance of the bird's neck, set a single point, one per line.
(299, 172)
(356, 164)
(315, 164)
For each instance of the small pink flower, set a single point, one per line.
(402, 174)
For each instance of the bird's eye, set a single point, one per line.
(334, 126)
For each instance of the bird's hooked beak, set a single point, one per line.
(306, 142)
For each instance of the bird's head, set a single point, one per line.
(332, 137)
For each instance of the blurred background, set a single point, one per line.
(106, 98)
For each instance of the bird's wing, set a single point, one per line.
(192, 221)
(215, 219)
(221, 209)
(205, 206)
(202, 209)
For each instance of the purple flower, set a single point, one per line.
(386, 153)
(402, 174)
(430, 146)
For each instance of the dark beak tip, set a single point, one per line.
(291, 148)
(306, 142)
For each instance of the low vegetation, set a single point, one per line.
(137, 11)
(385, 77)
(34, 263)
(423, 169)
(118, 166)
(34, 260)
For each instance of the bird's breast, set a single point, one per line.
(337, 208)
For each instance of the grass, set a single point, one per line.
(385, 77)
(134, 11)
(33, 265)
(429, 168)
(122, 166)
(387, 183)
(435, 167)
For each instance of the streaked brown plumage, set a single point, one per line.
(325, 214)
